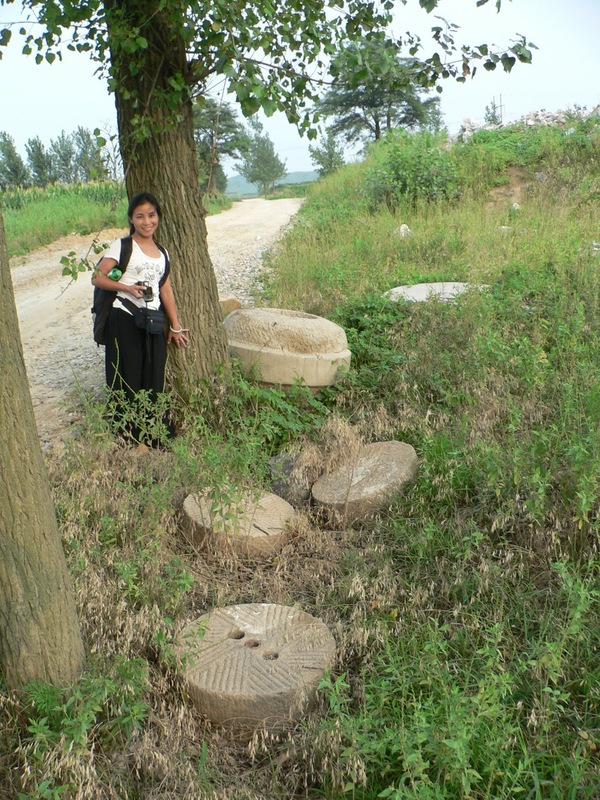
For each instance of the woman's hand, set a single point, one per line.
(135, 290)
(178, 337)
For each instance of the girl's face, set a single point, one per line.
(145, 220)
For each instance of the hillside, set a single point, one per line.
(237, 186)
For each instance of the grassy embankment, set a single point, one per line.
(466, 611)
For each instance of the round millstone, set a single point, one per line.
(421, 292)
(247, 526)
(364, 484)
(255, 665)
(283, 346)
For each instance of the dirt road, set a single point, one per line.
(54, 313)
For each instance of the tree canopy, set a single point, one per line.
(13, 171)
(218, 133)
(328, 155)
(269, 53)
(389, 97)
(261, 164)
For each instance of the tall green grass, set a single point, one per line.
(36, 217)
(478, 590)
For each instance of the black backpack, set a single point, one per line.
(104, 298)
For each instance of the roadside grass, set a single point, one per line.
(36, 217)
(465, 612)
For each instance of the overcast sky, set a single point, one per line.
(43, 100)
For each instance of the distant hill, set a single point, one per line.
(239, 187)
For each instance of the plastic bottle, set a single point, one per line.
(114, 274)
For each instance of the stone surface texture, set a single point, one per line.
(246, 526)
(255, 665)
(228, 304)
(364, 485)
(284, 346)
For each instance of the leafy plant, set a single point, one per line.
(99, 708)
(411, 168)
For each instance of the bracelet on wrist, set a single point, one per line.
(173, 330)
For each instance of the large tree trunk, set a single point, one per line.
(39, 630)
(164, 162)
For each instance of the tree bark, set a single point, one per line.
(39, 630)
(156, 136)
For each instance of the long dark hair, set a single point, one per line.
(139, 200)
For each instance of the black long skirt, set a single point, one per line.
(135, 376)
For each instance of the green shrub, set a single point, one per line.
(409, 168)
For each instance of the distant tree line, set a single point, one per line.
(389, 97)
(84, 156)
(78, 157)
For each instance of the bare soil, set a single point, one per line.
(63, 362)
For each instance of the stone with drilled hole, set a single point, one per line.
(255, 665)
(420, 292)
(282, 347)
(365, 483)
(246, 525)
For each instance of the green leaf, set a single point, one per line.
(142, 42)
(250, 105)
(269, 107)
(508, 62)
(523, 54)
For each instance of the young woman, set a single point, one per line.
(135, 359)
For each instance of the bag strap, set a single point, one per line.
(129, 304)
(126, 250)
(167, 264)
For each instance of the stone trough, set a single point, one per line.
(283, 347)
(256, 665)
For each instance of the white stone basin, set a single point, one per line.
(283, 347)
